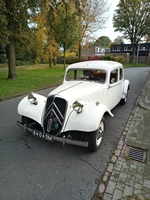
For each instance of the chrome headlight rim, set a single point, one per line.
(32, 99)
(77, 106)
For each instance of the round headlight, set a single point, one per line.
(77, 106)
(32, 98)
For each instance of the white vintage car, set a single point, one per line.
(74, 112)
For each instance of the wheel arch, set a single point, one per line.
(126, 87)
(88, 120)
(35, 112)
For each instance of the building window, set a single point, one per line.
(97, 49)
(143, 47)
(107, 50)
(116, 48)
(127, 48)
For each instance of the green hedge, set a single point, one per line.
(3, 58)
(74, 59)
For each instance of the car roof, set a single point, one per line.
(95, 64)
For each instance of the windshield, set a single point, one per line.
(86, 75)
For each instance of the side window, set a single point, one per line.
(71, 75)
(74, 74)
(114, 76)
(79, 74)
(120, 74)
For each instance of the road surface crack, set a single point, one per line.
(91, 165)
(26, 142)
(1, 140)
(5, 142)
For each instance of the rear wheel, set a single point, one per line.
(124, 100)
(95, 138)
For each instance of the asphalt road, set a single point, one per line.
(34, 169)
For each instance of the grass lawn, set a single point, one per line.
(29, 79)
(32, 78)
(134, 65)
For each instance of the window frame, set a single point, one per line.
(116, 48)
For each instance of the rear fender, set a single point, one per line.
(32, 111)
(126, 87)
(88, 120)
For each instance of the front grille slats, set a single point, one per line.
(47, 111)
(58, 111)
(55, 112)
(60, 121)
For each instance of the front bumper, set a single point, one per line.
(52, 138)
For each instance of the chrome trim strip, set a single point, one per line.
(58, 110)
(48, 110)
(56, 116)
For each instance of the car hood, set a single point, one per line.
(79, 90)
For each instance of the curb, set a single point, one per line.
(120, 151)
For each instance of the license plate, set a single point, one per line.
(42, 135)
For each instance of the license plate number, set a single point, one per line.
(42, 135)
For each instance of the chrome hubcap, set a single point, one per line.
(100, 133)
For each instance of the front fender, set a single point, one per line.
(88, 120)
(27, 109)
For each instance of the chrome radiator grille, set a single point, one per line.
(54, 114)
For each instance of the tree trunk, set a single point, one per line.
(50, 61)
(11, 45)
(11, 60)
(64, 56)
(79, 52)
(133, 53)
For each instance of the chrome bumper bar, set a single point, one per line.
(52, 138)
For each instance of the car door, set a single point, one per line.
(114, 90)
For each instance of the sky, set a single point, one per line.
(109, 30)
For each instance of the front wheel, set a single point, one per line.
(26, 120)
(95, 138)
